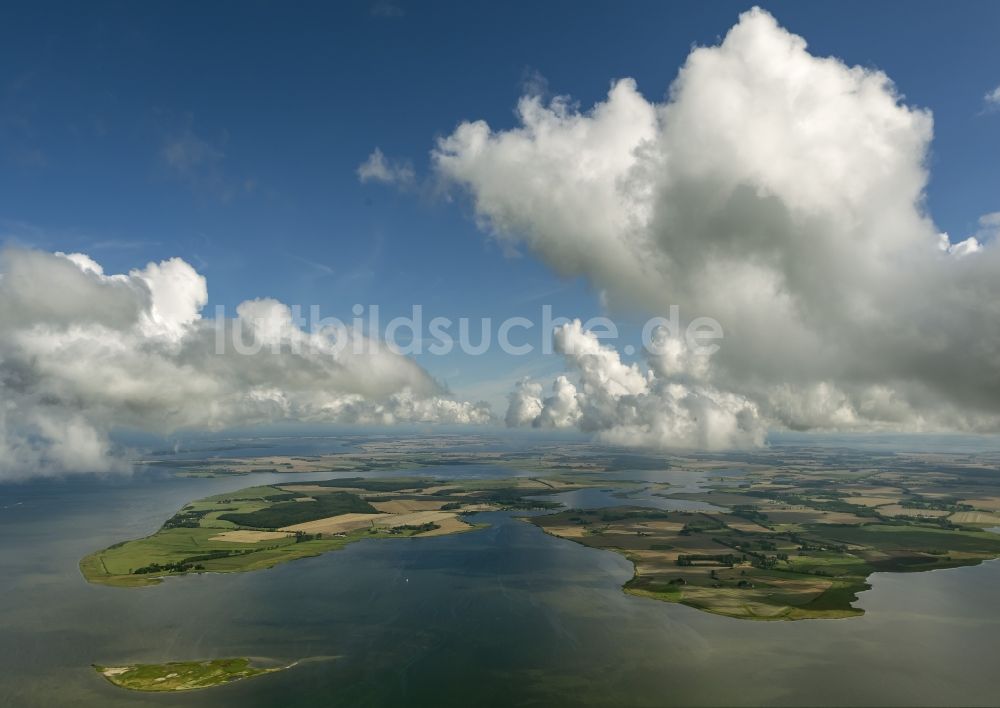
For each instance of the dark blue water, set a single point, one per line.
(502, 616)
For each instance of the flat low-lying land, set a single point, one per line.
(183, 675)
(259, 527)
(797, 541)
(789, 533)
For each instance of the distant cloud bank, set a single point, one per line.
(83, 352)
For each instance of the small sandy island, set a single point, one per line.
(184, 675)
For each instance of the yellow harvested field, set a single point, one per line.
(987, 503)
(974, 517)
(246, 536)
(448, 521)
(417, 518)
(840, 517)
(439, 488)
(407, 506)
(804, 514)
(337, 524)
(666, 526)
(561, 531)
(452, 524)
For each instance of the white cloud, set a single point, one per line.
(962, 248)
(83, 353)
(989, 227)
(783, 195)
(378, 168)
(992, 98)
(524, 403)
(625, 405)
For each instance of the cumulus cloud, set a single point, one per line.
(778, 192)
(661, 406)
(83, 353)
(378, 168)
(961, 248)
(524, 404)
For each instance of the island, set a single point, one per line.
(183, 675)
(260, 527)
(795, 541)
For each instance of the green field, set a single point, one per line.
(924, 539)
(180, 547)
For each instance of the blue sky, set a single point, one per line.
(279, 106)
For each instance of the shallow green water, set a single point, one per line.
(502, 616)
